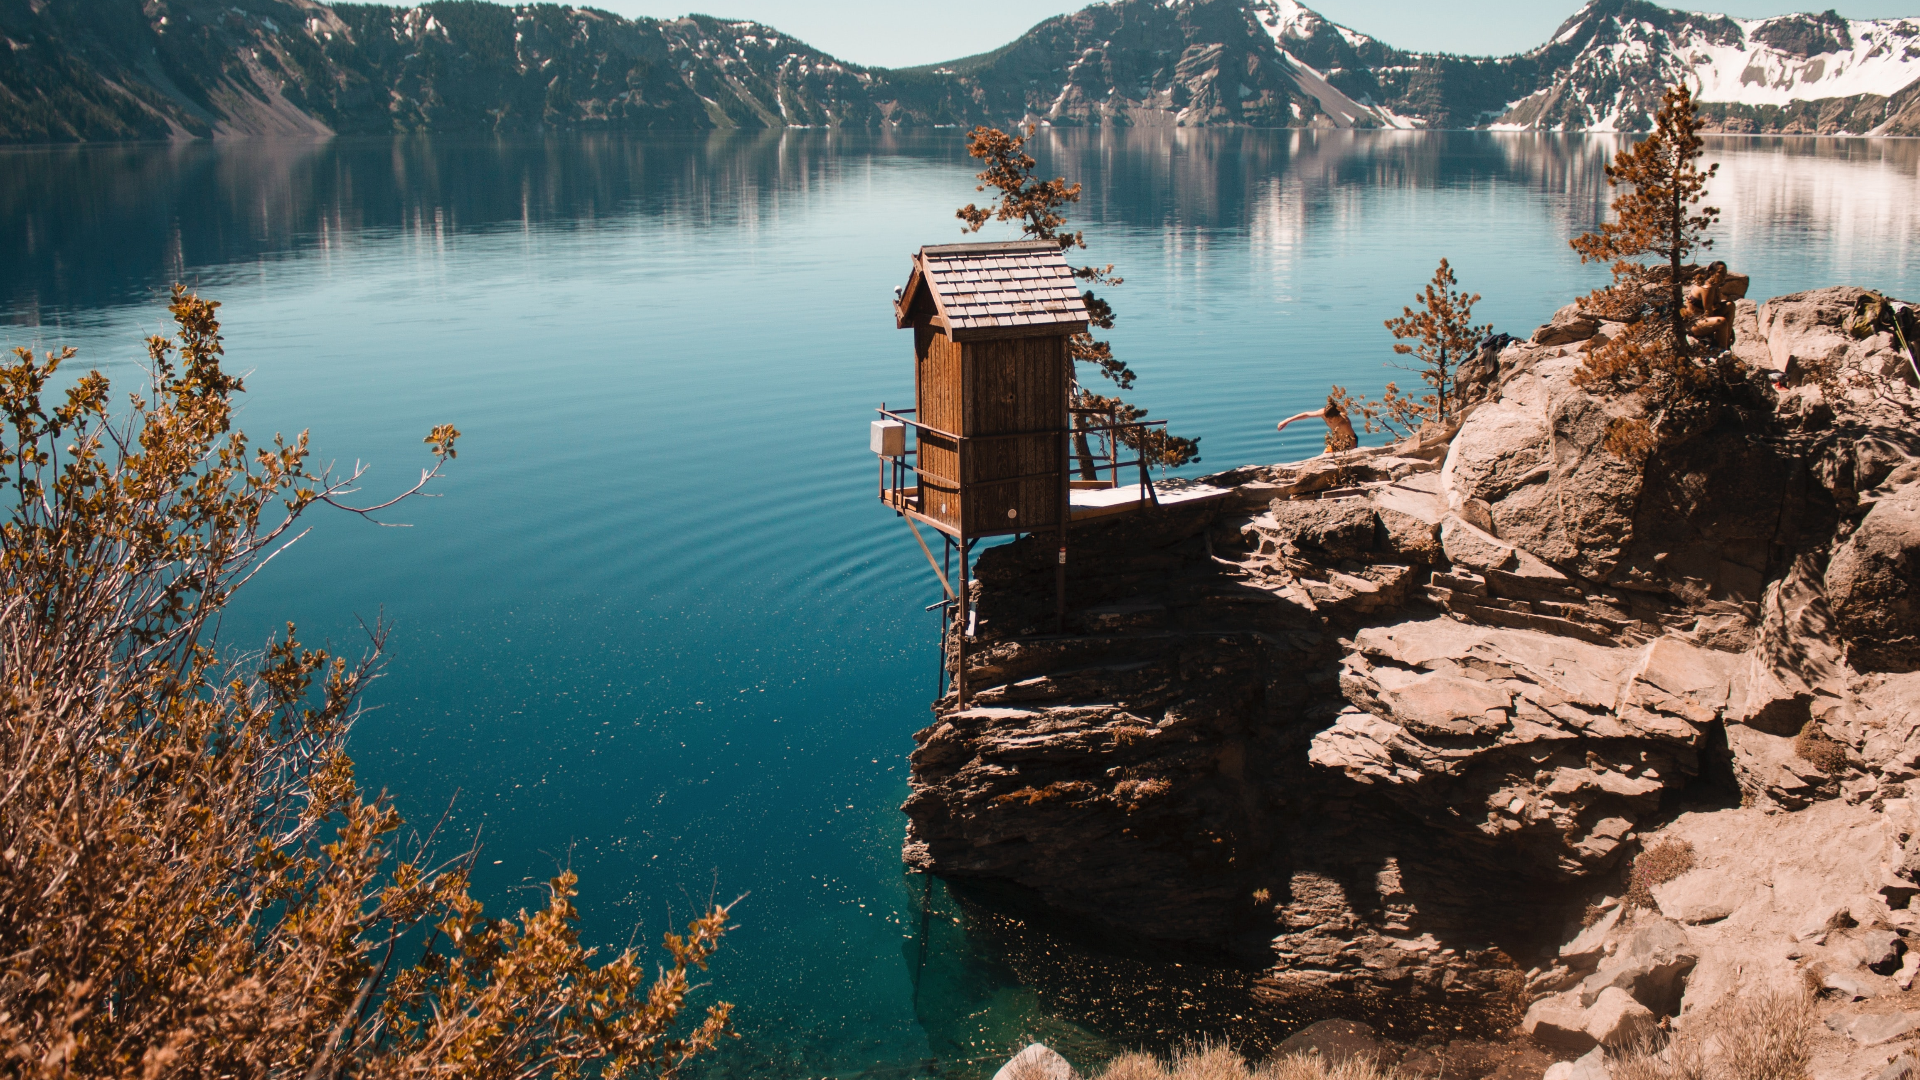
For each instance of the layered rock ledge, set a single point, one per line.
(1391, 723)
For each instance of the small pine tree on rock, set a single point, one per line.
(1039, 206)
(1445, 335)
(1653, 359)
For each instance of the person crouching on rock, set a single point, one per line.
(1340, 434)
(1707, 314)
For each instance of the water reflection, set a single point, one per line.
(95, 226)
(590, 573)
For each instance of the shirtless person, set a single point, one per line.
(1340, 434)
(1708, 316)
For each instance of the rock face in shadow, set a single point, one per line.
(1385, 722)
(1874, 583)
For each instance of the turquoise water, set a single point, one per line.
(656, 628)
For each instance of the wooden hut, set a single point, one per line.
(990, 420)
(990, 327)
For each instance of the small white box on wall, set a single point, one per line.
(889, 438)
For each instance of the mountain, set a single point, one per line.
(77, 70)
(1820, 72)
(94, 69)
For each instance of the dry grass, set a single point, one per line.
(1059, 789)
(1762, 1036)
(1217, 1061)
(1656, 865)
(1767, 1036)
(1678, 1058)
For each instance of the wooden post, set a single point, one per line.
(1060, 561)
(965, 598)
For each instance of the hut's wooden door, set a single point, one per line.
(1015, 405)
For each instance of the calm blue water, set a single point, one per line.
(656, 628)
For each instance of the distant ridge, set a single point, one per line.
(83, 70)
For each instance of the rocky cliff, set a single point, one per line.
(143, 69)
(1391, 723)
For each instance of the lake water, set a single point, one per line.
(657, 628)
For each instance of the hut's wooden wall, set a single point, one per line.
(936, 383)
(1012, 387)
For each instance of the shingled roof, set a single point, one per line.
(993, 290)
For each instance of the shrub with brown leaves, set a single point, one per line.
(1823, 752)
(193, 883)
(1656, 865)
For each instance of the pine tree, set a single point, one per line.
(1038, 205)
(1446, 334)
(1661, 215)
(1651, 358)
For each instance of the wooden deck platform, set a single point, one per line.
(1087, 504)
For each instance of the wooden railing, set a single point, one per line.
(895, 471)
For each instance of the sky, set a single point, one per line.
(903, 33)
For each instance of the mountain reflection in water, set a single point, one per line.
(657, 629)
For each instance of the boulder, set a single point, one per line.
(1616, 1020)
(1553, 747)
(1567, 326)
(1873, 586)
(1559, 1022)
(1880, 950)
(1535, 455)
(1650, 965)
(1468, 546)
(1875, 1028)
(1808, 330)
(1335, 1041)
(1591, 1066)
(1850, 985)
(1588, 946)
(1036, 1062)
(1335, 528)
(1770, 771)
(1409, 513)
(1749, 344)
(1696, 898)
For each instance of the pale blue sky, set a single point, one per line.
(901, 33)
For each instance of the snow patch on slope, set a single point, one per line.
(1286, 19)
(1345, 111)
(1884, 59)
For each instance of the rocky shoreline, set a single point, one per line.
(1391, 724)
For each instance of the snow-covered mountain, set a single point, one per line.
(106, 69)
(1602, 70)
(1605, 68)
